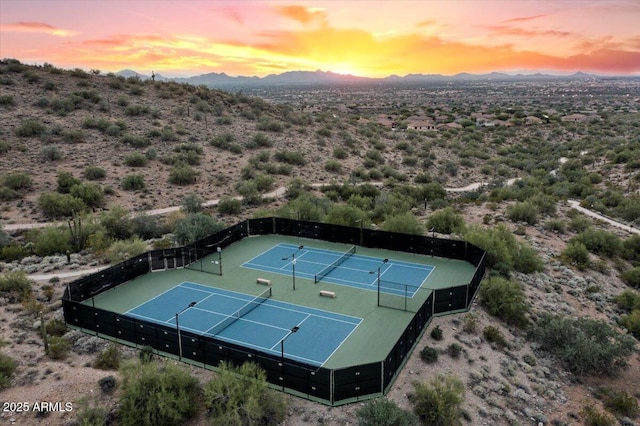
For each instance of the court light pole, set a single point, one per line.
(219, 250)
(293, 265)
(191, 305)
(293, 330)
(378, 270)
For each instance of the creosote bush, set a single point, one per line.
(584, 345)
(429, 354)
(381, 412)
(240, 396)
(7, 367)
(439, 401)
(155, 394)
(506, 300)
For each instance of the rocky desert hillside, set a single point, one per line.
(526, 170)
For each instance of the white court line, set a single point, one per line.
(289, 331)
(164, 292)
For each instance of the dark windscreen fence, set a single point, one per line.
(262, 226)
(203, 260)
(333, 387)
(401, 296)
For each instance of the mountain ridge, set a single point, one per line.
(319, 77)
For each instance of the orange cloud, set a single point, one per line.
(36, 27)
(302, 14)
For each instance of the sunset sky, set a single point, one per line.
(366, 38)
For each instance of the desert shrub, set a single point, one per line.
(628, 300)
(631, 277)
(340, 153)
(30, 127)
(556, 225)
(631, 249)
(50, 241)
(136, 160)
(260, 140)
(290, 157)
(58, 347)
(125, 249)
(7, 367)
(436, 333)
(584, 345)
(593, 417)
(445, 221)
(117, 223)
(8, 194)
(523, 212)
(14, 284)
(506, 300)
(51, 153)
(56, 327)
(228, 205)
(109, 359)
(494, 335)
(196, 226)
(192, 203)
(600, 242)
(504, 249)
(619, 403)
(249, 192)
(576, 254)
(405, 223)
(429, 354)
(157, 395)
(90, 193)
(135, 110)
(4, 147)
(381, 412)
(223, 141)
(579, 223)
(631, 322)
(133, 182)
(146, 354)
(333, 166)
(454, 350)
(241, 396)
(94, 173)
(17, 181)
(65, 181)
(7, 101)
(439, 401)
(58, 206)
(269, 125)
(136, 141)
(73, 136)
(470, 323)
(263, 182)
(182, 174)
(147, 227)
(88, 415)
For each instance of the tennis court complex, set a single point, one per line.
(348, 268)
(329, 312)
(258, 322)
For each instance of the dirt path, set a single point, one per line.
(576, 205)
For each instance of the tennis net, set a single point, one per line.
(257, 301)
(323, 273)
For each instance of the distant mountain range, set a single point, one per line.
(323, 78)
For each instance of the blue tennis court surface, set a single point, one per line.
(260, 323)
(396, 277)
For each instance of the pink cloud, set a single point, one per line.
(36, 27)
